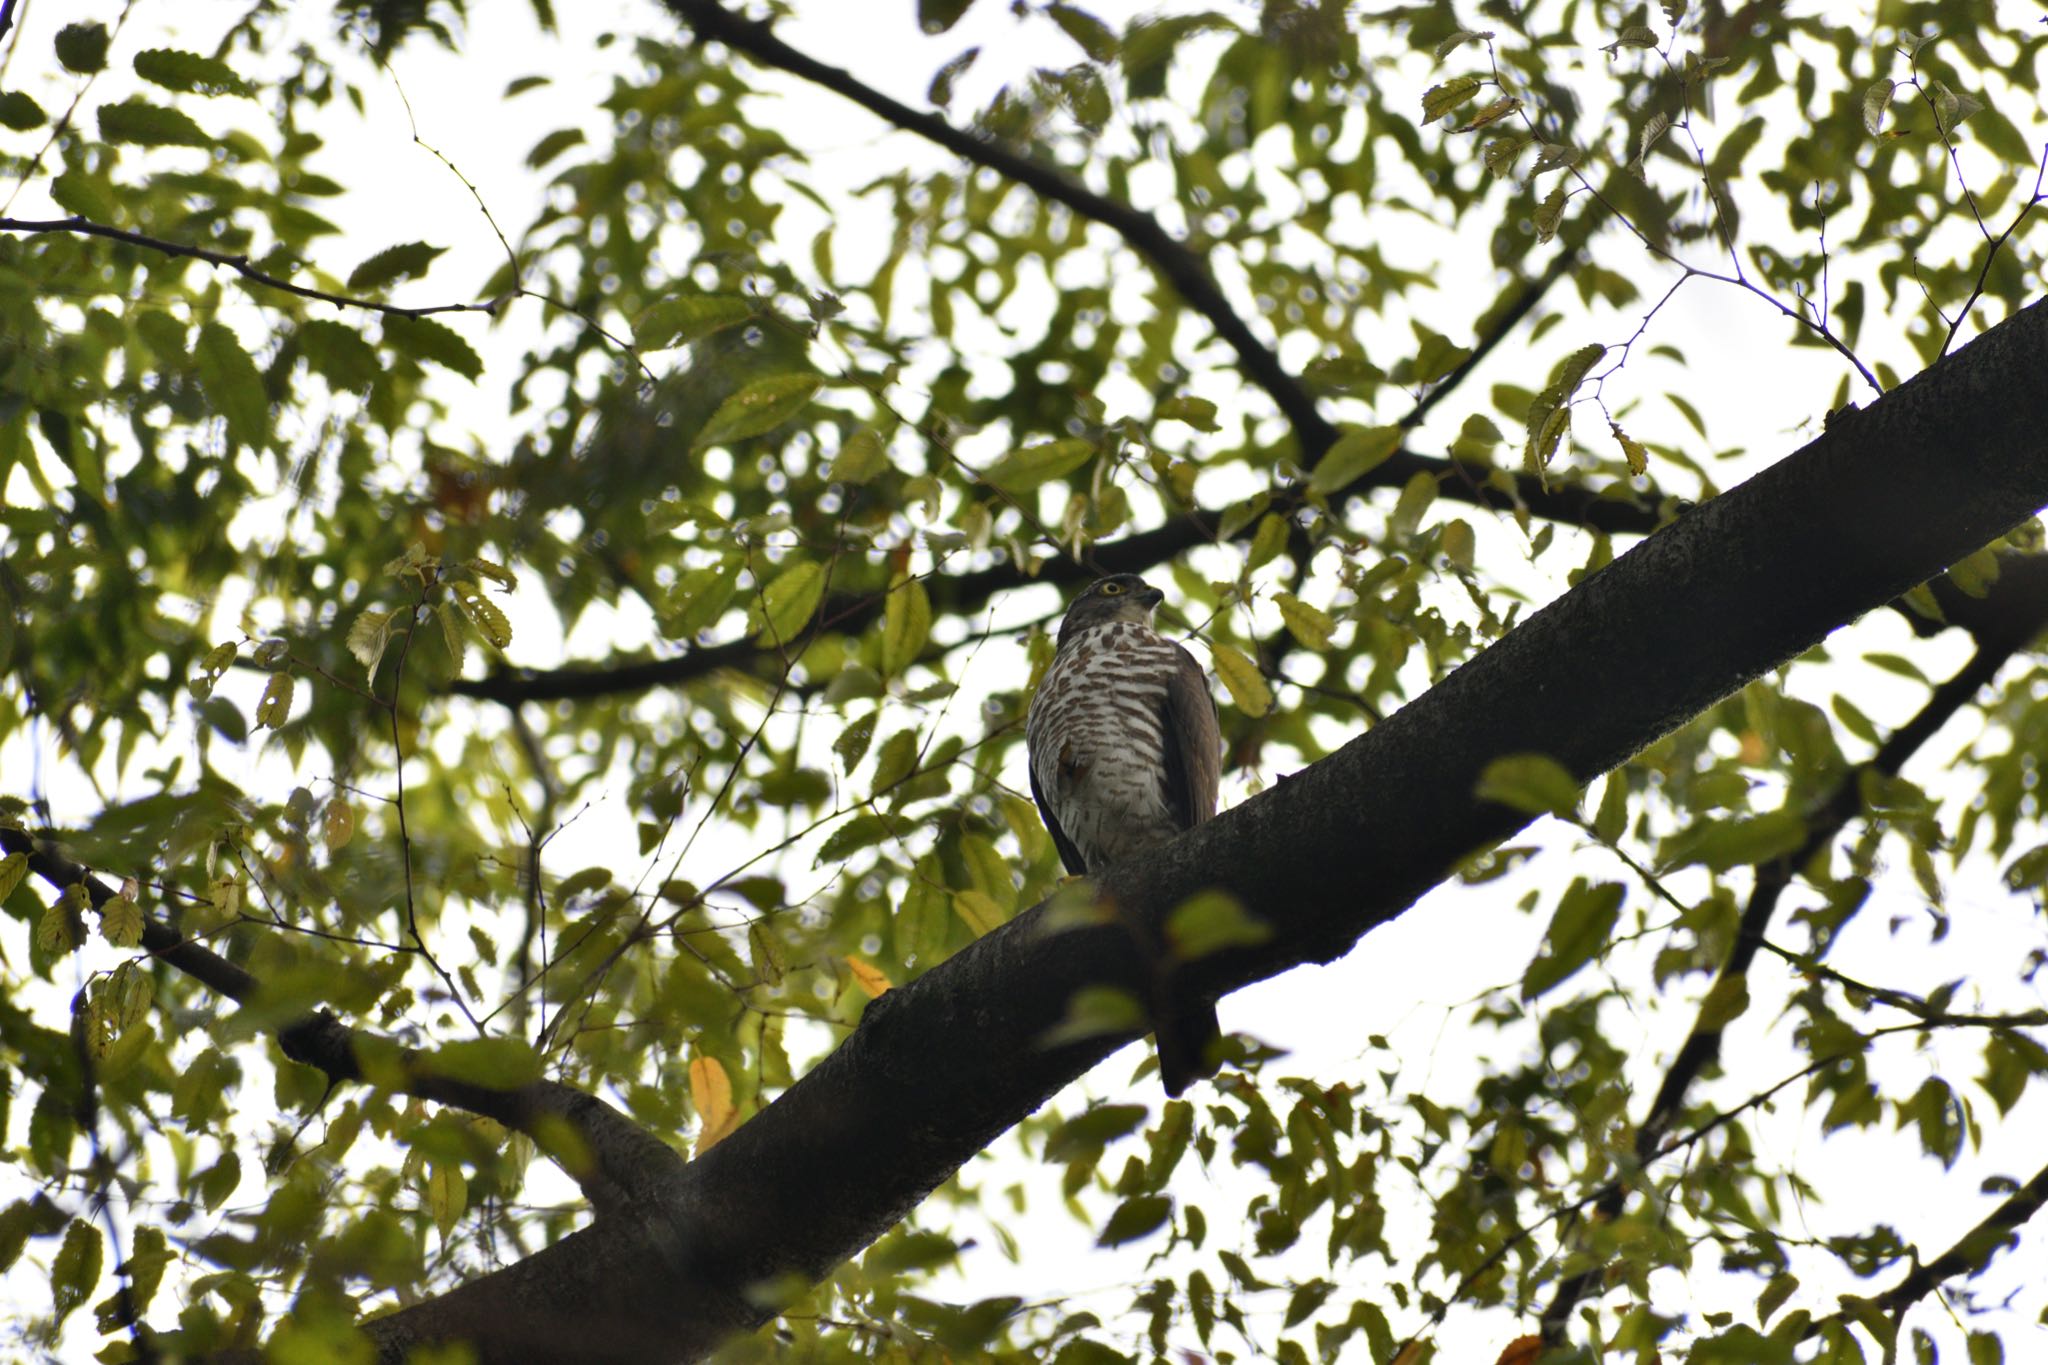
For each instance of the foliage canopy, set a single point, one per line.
(602, 657)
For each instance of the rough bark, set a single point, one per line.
(938, 1068)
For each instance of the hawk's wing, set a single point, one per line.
(1070, 857)
(1193, 743)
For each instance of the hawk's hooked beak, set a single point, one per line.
(1149, 598)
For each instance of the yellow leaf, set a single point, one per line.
(1241, 679)
(868, 976)
(1638, 458)
(979, 909)
(484, 614)
(1311, 625)
(711, 1096)
(217, 661)
(121, 922)
(275, 708)
(447, 1194)
(339, 825)
(12, 869)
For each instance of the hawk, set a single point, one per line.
(1125, 755)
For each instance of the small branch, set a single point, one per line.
(85, 227)
(1180, 266)
(619, 1164)
(1971, 1252)
(1992, 250)
(1702, 1046)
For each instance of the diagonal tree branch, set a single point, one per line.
(1702, 1047)
(618, 1163)
(939, 1067)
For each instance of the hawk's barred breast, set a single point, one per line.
(1097, 742)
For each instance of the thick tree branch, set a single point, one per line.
(939, 1067)
(616, 1161)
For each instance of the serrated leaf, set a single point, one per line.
(139, 123)
(1534, 784)
(232, 384)
(189, 73)
(711, 1097)
(435, 342)
(1440, 100)
(781, 611)
(906, 625)
(853, 741)
(58, 926)
(1632, 450)
(406, 261)
(759, 407)
(1240, 677)
(862, 831)
(76, 1270)
(1458, 39)
(687, 318)
(1352, 456)
(216, 662)
(121, 922)
(1491, 114)
(275, 706)
(368, 635)
(484, 614)
(896, 761)
(1268, 541)
(1312, 626)
(1026, 468)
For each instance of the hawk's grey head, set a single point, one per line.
(1120, 597)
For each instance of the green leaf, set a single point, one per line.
(1087, 1133)
(83, 47)
(447, 1195)
(19, 112)
(1581, 927)
(189, 73)
(906, 625)
(1355, 454)
(368, 637)
(495, 1063)
(1094, 37)
(484, 614)
(552, 146)
(691, 317)
(699, 598)
(781, 611)
(860, 459)
(232, 384)
(428, 340)
(55, 931)
(1211, 922)
(1241, 679)
(759, 407)
(1724, 843)
(896, 760)
(1198, 413)
(979, 911)
(1534, 784)
(13, 868)
(862, 831)
(142, 124)
(1026, 468)
(406, 261)
(86, 194)
(76, 1271)
(1440, 100)
(1136, 1217)
(338, 354)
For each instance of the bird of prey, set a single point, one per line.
(1125, 755)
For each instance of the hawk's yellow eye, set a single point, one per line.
(1111, 589)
